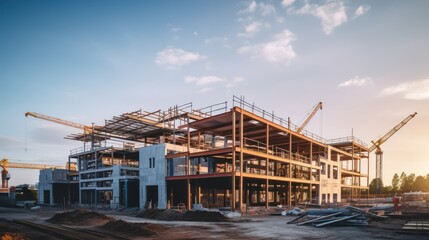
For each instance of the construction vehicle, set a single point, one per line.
(5, 165)
(379, 153)
(316, 108)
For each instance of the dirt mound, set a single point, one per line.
(134, 229)
(172, 215)
(161, 214)
(204, 216)
(80, 217)
(13, 236)
(155, 227)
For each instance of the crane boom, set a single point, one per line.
(5, 164)
(86, 129)
(316, 108)
(383, 139)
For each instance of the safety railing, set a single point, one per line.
(212, 109)
(254, 145)
(130, 146)
(270, 116)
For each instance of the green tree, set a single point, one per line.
(402, 180)
(395, 183)
(426, 186)
(387, 189)
(407, 185)
(418, 184)
(373, 186)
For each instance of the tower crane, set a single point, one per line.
(379, 153)
(86, 129)
(5, 165)
(316, 108)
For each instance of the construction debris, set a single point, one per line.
(340, 216)
(294, 212)
(417, 225)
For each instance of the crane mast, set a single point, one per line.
(379, 152)
(316, 108)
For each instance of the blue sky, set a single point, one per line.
(86, 61)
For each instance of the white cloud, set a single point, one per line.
(267, 9)
(332, 14)
(250, 9)
(208, 83)
(235, 81)
(176, 57)
(202, 81)
(175, 29)
(416, 90)
(356, 82)
(361, 10)
(196, 33)
(252, 6)
(259, 17)
(251, 29)
(277, 50)
(287, 3)
(203, 90)
(222, 41)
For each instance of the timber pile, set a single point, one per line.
(336, 216)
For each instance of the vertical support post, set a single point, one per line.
(311, 172)
(289, 196)
(188, 193)
(126, 193)
(266, 193)
(68, 182)
(367, 174)
(241, 159)
(232, 205)
(188, 161)
(92, 137)
(267, 141)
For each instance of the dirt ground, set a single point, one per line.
(255, 227)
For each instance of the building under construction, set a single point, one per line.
(212, 157)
